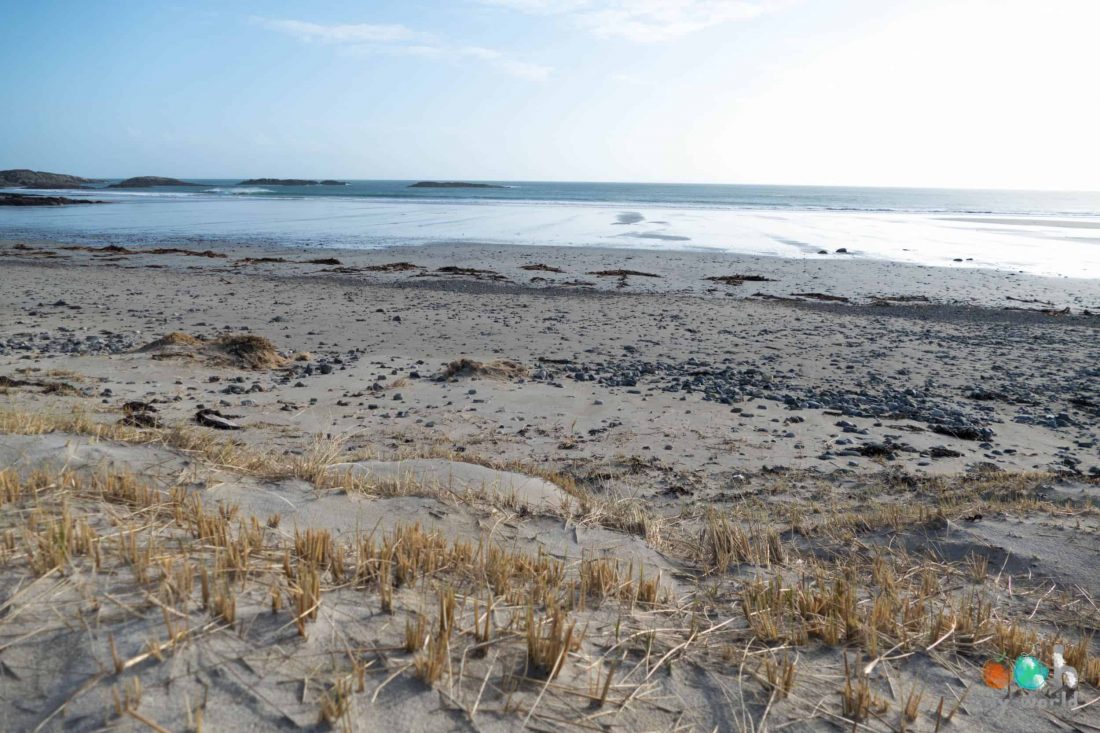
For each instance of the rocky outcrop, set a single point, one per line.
(289, 182)
(21, 199)
(452, 184)
(26, 178)
(151, 182)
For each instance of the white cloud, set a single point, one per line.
(400, 40)
(522, 69)
(630, 79)
(342, 33)
(644, 21)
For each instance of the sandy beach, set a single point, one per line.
(903, 354)
(598, 366)
(814, 493)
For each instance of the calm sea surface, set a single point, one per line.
(1054, 233)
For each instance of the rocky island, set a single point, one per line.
(22, 199)
(453, 184)
(151, 182)
(26, 178)
(289, 182)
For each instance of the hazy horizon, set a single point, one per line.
(980, 94)
(472, 179)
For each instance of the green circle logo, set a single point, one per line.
(1029, 673)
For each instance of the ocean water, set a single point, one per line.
(1039, 232)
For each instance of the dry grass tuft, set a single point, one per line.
(912, 708)
(722, 544)
(490, 626)
(336, 705)
(548, 642)
(498, 369)
(780, 675)
(242, 351)
(246, 351)
(175, 338)
(858, 701)
(430, 664)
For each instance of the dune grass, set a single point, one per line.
(511, 631)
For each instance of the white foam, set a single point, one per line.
(238, 190)
(124, 193)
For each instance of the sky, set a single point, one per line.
(938, 93)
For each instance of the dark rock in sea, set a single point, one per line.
(452, 184)
(20, 199)
(26, 178)
(151, 182)
(330, 182)
(842, 251)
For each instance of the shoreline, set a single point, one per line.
(862, 281)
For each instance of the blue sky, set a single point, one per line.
(982, 93)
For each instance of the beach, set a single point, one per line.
(710, 422)
(599, 366)
(730, 358)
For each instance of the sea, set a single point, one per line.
(1037, 232)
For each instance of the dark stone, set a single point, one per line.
(886, 450)
(214, 419)
(963, 432)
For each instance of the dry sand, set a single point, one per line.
(907, 453)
